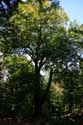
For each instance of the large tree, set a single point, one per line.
(38, 30)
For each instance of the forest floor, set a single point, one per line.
(67, 120)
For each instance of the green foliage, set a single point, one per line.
(17, 92)
(50, 82)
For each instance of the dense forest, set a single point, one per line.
(41, 64)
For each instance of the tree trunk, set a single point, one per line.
(70, 103)
(37, 92)
(39, 99)
(48, 87)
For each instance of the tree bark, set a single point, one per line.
(40, 99)
(37, 92)
(48, 87)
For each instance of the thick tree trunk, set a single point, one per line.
(40, 99)
(48, 87)
(37, 92)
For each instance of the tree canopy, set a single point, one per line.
(41, 59)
